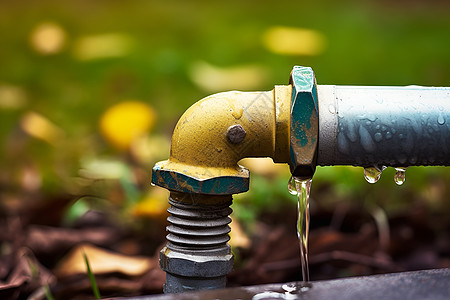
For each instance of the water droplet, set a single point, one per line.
(331, 109)
(383, 127)
(372, 174)
(371, 117)
(377, 127)
(399, 176)
(377, 137)
(388, 135)
(441, 119)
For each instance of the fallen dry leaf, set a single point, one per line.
(101, 261)
(46, 240)
(26, 275)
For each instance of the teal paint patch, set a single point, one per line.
(224, 185)
(304, 110)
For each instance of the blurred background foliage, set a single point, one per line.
(90, 92)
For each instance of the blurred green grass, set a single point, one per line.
(367, 43)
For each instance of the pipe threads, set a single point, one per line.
(199, 228)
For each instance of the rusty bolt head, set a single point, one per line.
(304, 129)
(236, 134)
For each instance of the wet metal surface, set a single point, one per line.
(428, 284)
(384, 126)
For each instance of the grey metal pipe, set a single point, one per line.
(383, 126)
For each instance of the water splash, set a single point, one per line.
(269, 295)
(400, 175)
(373, 174)
(290, 291)
(296, 288)
(301, 188)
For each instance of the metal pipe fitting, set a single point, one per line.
(304, 122)
(218, 131)
(384, 126)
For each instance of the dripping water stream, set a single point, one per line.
(301, 188)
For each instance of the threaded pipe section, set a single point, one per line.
(199, 223)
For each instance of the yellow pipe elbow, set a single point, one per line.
(201, 144)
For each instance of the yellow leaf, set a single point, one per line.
(101, 261)
(102, 46)
(213, 79)
(40, 127)
(154, 205)
(122, 123)
(48, 38)
(294, 41)
(12, 97)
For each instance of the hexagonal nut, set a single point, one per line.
(213, 183)
(195, 265)
(304, 123)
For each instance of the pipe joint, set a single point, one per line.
(218, 131)
(304, 122)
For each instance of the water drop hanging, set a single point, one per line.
(400, 175)
(372, 174)
(441, 120)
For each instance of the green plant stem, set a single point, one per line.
(48, 293)
(91, 278)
